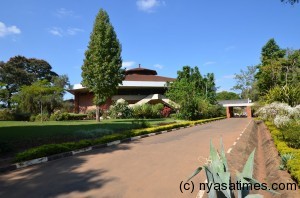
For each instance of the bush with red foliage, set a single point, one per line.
(166, 112)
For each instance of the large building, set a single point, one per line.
(140, 86)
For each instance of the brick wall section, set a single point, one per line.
(84, 102)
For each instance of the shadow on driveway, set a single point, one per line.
(57, 178)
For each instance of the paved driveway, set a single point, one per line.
(150, 167)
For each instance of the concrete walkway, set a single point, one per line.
(150, 167)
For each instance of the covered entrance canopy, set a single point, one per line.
(230, 104)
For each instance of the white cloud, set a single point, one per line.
(62, 12)
(149, 5)
(158, 66)
(7, 30)
(209, 63)
(56, 31)
(128, 64)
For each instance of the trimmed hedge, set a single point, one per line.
(51, 149)
(293, 165)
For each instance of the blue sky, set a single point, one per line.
(217, 36)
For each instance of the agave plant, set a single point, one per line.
(217, 172)
(284, 160)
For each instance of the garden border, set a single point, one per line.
(36, 161)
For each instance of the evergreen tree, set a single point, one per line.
(101, 70)
(269, 71)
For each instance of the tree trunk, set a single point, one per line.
(8, 100)
(97, 113)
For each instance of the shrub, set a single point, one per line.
(147, 111)
(22, 116)
(166, 112)
(280, 114)
(32, 118)
(74, 116)
(120, 110)
(137, 111)
(289, 94)
(173, 115)
(157, 110)
(292, 135)
(6, 115)
(215, 111)
(40, 118)
(57, 116)
(91, 114)
(283, 148)
(189, 111)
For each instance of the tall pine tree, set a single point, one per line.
(101, 70)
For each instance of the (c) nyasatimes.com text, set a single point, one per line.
(189, 186)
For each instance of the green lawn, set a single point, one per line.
(16, 136)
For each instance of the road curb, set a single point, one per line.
(36, 161)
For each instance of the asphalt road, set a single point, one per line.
(149, 167)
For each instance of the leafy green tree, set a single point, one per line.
(291, 67)
(19, 71)
(189, 89)
(12, 76)
(39, 69)
(245, 82)
(41, 96)
(210, 88)
(227, 95)
(101, 71)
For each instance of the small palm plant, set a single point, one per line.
(217, 172)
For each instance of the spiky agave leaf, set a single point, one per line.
(244, 191)
(216, 163)
(214, 156)
(223, 157)
(218, 178)
(248, 167)
(254, 181)
(212, 193)
(198, 170)
(209, 174)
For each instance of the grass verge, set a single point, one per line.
(51, 149)
(17, 136)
